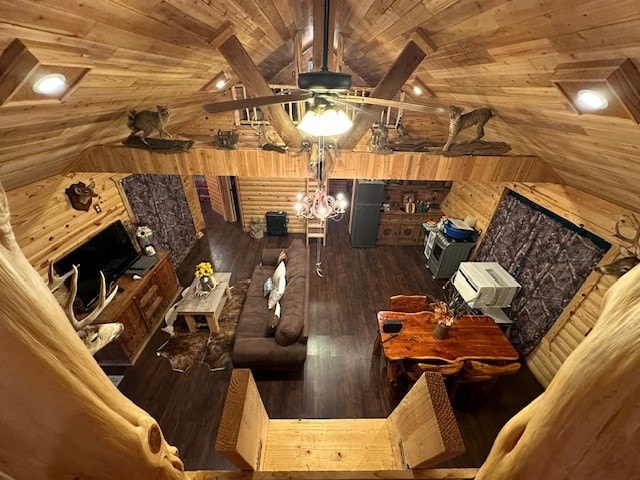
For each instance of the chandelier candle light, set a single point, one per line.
(321, 206)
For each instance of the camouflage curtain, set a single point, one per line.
(549, 257)
(159, 202)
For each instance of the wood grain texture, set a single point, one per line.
(570, 427)
(76, 403)
(264, 164)
(580, 208)
(47, 227)
(497, 54)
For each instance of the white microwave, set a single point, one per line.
(485, 284)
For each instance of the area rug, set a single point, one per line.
(185, 349)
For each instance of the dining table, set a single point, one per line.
(472, 337)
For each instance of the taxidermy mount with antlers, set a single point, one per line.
(81, 195)
(459, 121)
(630, 254)
(144, 122)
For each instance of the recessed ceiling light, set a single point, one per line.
(49, 84)
(592, 99)
(220, 84)
(417, 90)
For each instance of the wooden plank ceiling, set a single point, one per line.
(495, 53)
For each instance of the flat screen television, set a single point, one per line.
(109, 251)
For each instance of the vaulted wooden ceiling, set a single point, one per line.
(496, 53)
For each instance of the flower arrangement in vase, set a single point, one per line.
(204, 271)
(448, 311)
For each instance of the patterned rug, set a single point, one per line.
(185, 349)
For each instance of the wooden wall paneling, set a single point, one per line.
(282, 197)
(475, 199)
(266, 164)
(191, 193)
(45, 224)
(594, 214)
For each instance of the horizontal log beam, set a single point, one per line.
(427, 474)
(267, 164)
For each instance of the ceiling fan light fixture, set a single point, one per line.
(325, 122)
(50, 84)
(592, 99)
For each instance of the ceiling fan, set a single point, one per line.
(325, 87)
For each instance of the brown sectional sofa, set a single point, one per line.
(287, 351)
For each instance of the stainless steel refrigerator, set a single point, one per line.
(368, 198)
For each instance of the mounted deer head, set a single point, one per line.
(630, 253)
(80, 195)
(55, 282)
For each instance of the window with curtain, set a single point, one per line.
(159, 202)
(550, 257)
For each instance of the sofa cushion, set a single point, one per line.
(297, 259)
(292, 314)
(260, 274)
(254, 318)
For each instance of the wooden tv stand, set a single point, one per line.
(140, 306)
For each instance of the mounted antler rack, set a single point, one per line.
(94, 336)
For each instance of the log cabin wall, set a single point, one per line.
(595, 215)
(45, 224)
(258, 196)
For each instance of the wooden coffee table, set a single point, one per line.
(209, 306)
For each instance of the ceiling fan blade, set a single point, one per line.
(252, 102)
(393, 103)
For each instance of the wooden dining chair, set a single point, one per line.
(415, 371)
(486, 374)
(410, 303)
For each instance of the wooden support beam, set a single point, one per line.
(241, 63)
(404, 66)
(426, 474)
(297, 53)
(222, 35)
(421, 38)
(266, 164)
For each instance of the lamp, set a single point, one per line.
(321, 206)
(609, 87)
(37, 73)
(322, 120)
(50, 84)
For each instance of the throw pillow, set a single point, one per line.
(273, 323)
(268, 286)
(276, 292)
(282, 257)
(280, 272)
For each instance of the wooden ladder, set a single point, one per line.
(315, 229)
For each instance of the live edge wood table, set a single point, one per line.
(209, 306)
(470, 338)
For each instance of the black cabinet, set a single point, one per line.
(276, 223)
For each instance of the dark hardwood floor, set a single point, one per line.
(341, 378)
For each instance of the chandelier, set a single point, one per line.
(321, 206)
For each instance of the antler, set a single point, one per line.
(104, 300)
(56, 281)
